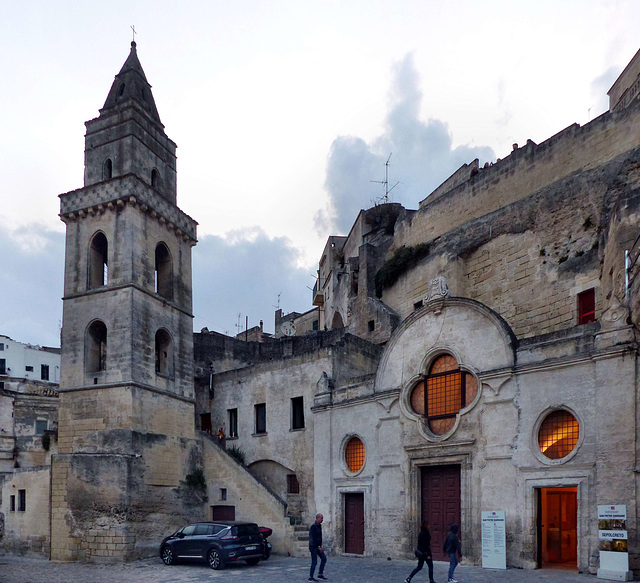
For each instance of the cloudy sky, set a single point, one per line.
(284, 112)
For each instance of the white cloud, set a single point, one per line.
(423, 156)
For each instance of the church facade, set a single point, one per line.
(477, 354)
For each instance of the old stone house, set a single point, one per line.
(476, 354)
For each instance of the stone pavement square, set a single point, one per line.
(277, 569)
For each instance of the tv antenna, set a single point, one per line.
(277, 306)
(239, 324)
(385, 182)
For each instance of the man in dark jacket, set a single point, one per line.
(315, 548)
(423, 553)
(453, 548)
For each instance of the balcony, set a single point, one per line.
(318, 295)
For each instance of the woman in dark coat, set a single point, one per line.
(423, 552)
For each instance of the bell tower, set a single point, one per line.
(126, 420)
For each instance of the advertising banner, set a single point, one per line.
(612, 538)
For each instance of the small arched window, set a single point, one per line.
(98, 261)
(96, 346)
(121, 90)
(163, 273)
(164, 352)
(107, 169)
(155, 179)
(445, 390)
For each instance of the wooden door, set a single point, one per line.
(223, 513)
(562, 518)
(441, 504)
(354, 523)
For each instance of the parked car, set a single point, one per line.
(217, 543)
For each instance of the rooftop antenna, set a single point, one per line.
(385, 182)
(239, 325)
(277, 306)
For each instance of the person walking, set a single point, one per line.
(423, 553)
(453, 548)
(316, 550)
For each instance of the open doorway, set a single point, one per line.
(558, 527)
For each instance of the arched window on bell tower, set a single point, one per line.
(96, 347)
(155, 179)
(107, 169)
(163, 274)
(164, 353)
(98, 261)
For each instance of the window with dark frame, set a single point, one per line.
(3, 366)
(12, 503)
(22, 500)
(587, 306)
(261, 418)
(371, 325)
(297, 413)
(28, 368)
(233, 422)
(1, 345)
(223, 494)
(441, 395)
(44, 372)
(41, 426)
(558, 434)
(293, 486)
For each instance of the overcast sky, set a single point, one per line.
(284, 113)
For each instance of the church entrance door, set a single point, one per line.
(558, 527)
(440, 503)
(354, 523)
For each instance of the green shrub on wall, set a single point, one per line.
(399, 263)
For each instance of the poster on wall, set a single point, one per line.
(494, 542)
(612, 538)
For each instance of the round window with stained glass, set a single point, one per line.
(354, 454)
(558, 434)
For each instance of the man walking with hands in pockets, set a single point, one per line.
(315, 548)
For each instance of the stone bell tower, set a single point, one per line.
(126, 421)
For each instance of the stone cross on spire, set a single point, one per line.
(133, 28)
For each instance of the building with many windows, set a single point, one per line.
(29, 377)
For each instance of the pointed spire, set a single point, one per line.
(131, 83)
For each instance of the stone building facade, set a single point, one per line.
(476, 354)
(487, 359)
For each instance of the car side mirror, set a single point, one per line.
(181, 535)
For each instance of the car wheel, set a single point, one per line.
(166, 554)
(253, 561)
(214, 559)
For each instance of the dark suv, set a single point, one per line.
(215, 542)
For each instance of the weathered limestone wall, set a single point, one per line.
(530, 260)
(118, 506)
(107, 419)
(524, 172)
(27, 532)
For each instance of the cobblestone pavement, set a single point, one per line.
(277, 569)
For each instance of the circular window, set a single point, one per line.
(558, 434)
(354, 454)
(441, 395)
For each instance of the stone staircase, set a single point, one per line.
(299, 540)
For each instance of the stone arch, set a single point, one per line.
(164, 352)
(107, 169)
(472, 332)
(96, 347)
(273, 474)
(163, 272)
(98, 261)
(337, 321)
